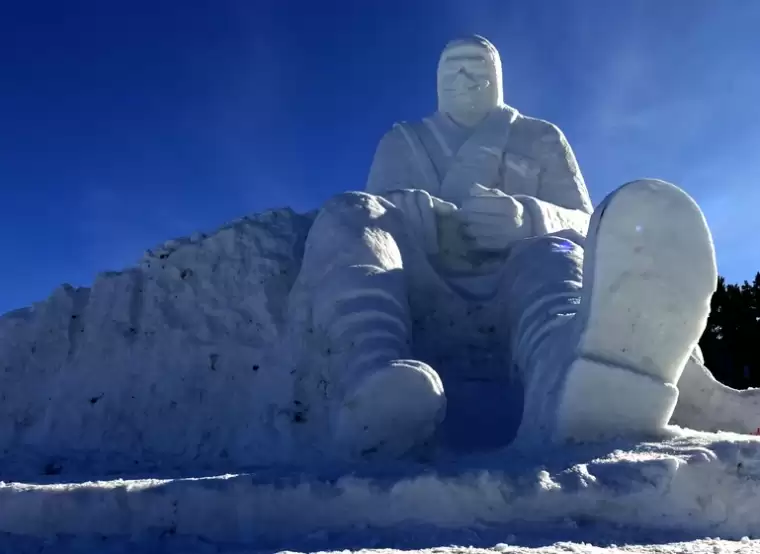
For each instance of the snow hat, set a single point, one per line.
(469, 78)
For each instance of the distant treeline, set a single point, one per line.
(731, 342)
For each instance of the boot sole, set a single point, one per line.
(649, 273)
(650, 269)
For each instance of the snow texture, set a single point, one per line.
(695, 485)
(197, 394)
(377, 276)
(607, 545)
(190, 360)
(174, 364)
(171, 364)
(164, 364)
(596, 314)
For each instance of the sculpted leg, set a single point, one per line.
(708, 405)
(353, 274)
(611, 368)
(540, 294)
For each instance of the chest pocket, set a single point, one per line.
(519, 174)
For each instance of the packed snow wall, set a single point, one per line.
(163, 364)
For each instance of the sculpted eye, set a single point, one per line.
(451, 71)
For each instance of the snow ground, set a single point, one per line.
(691, 487)
(557, 540)
(77, 408)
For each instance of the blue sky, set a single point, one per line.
(123, 124)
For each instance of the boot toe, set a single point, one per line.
(392, 410)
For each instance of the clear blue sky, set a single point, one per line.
(123, 124)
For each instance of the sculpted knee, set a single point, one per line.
(355, 203)
(546, 247)
(351, 210)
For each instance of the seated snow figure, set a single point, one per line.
(479, 205)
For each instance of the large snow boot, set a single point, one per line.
(649, 272)
(385, 404)
(393, 408)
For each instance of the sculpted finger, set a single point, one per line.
(478, 190)
(402, 204)
(496, 206)
(483, 217)
(422, 200)
(429, 228)
(480, 204)
(478, 229)
(412, 212)
(467, 210)
(469, 231)
(398, 199)
(442, 207)
(466, 217)
(493, 220)
(499, 207)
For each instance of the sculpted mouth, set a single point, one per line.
(458, 92)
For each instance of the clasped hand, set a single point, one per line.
(489, 219)
(421, 212)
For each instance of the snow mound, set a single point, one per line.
(182, 362)
(161, 365)
(162, 379)
(697, 484)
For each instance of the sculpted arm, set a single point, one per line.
(393, 166)
(395, 175)
(562, 201)
(494, 219)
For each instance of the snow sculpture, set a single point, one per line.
(186, 360)
(481, 213)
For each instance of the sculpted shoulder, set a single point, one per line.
(393, 140)
(392, 166)
(538, 132)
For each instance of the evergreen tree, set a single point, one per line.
(731, 341)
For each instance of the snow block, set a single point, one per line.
(697, 482)
(165, 364)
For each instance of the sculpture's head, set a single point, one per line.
(469, 80)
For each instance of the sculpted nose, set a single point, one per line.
(462, 75)
(464, 80)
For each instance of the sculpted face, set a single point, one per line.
(469, 80)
